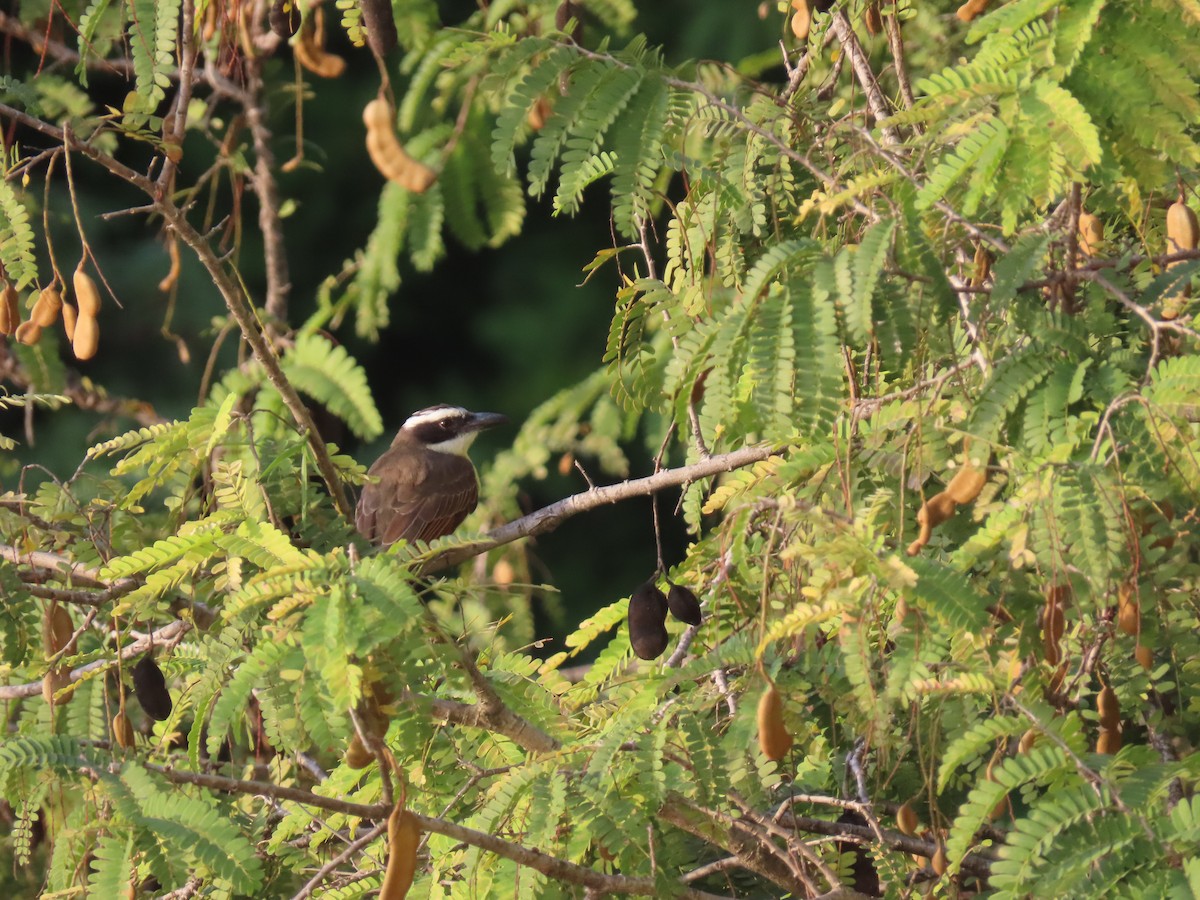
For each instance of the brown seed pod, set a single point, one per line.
(357, 756)
(1183, 230)
(1001, 806)
(939, 863)
(683, 604)
(85, 339)
(1145, 656)
(284, 18)
(1028, 739)
(53, 682)
(937, 509)
(1108, 741)
(773, 736)
(801, 19)
(45, 309)
(538, 114)
(1129, 610)
(872, 20)
(1053, 625)
(1091, 233)
(29, 333)
(971, 9)
(381, 25)
(87, 295)
(150, 688)
(57, 629)
(647, 621)
(966, 484)
(70, 316)
(1109, 708)
(309, 49)
(10, 309)
(122, 730)
(569, 11)
(982, 265)
(404, 835)
(389, 157)
(906, 819)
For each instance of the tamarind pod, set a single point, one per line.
(1001, 806)
(1056, 679)
(647, 617)
(872, 20)
(45, 309)
(57, 629)
(29, 333)
(1028, 739)
(1109, 708)
(568, 11)
(922, 539)
(906, 819)
(357, 756)
(966, 484)
(123, 731)
(284, 18)
(801, 21)
(773, 736)
(537, 116)
(10, 310)
(937, 509)
(150, 688)
(1183, 230)
(404, 835)
(316, 59)
(683, 605)
(54, 681)
(87, 295)
(939, 863)
(1109, 741)
(1091, 233)
(1129, 610)
(982, 265)
(971, 9)
(1145, 656)
(1053, 625)
(381, 25)
(386, 152)
(86, 337)
(69, 316)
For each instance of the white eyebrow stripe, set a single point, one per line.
(435, 414)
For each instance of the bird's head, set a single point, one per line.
(446, 429)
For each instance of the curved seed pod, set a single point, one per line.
(983, 265)
(85, 340)
(872, 20)
(1091, 233)
(404, 835)
(1108, 742)
(381, 25)
(284, 18)
(966, 484)
(971, 9)
(1028, 739)
(10, 309)
(45, 309)
(309, 50)
(1129, 610)
(1053, 625)
(937, 509)
(1109, 708)
(939, 863)
(1183, 230)
(70, 317)
(53, 682)
(87, 295)
(150, 688)
(906, 819)
(683, 605)
(123, 731)
(57, 629)
(357, 756)
(773, 736)
(389, 157)
(801, 19)
(29, 333)
(647, 621)
(1145, 656)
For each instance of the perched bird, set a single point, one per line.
(425, 484)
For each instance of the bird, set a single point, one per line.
(424, 485)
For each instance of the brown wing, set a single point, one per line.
(419, 497)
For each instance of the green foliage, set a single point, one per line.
(876, 303)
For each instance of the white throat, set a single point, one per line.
(456, 446)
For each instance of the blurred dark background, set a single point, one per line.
(501, 329)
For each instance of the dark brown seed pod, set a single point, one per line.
(404, 836)
(1109, 708)
(57, 629)
(683, 604)
(123, 731)
(10, 310)
(647, 621)
(1108, 742)
(381, 25)
(568, 10)
(773, 736)
(150, 688)
(284, 18)
(357, 756)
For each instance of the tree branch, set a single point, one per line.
(876, 102)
